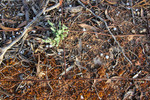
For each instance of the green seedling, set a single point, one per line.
(59, 34)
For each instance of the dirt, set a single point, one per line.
(106, 54)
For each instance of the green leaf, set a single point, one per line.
(60, 32)
(57, 38)
(57, 43)
(59, 25)
(63, 36)
(53, 29)
(64, 27)
(48, 40)
(50, 23)
(53, 43)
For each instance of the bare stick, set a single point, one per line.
(107, 29)
(26, 30)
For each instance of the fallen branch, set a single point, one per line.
(27, 28)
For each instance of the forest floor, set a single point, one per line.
(75, 49)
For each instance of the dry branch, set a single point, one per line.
(26, 30)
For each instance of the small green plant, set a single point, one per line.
(59, 34)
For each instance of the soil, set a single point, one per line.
(106, 54)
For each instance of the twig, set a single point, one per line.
(49, 83)
(107, 29)
(130, 2)
(67, 70)
(4, 92)
(97, 93)
(26, 30)
(38, 66)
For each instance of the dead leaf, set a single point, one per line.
(97, 61)
(85, 2)
(130, 38)
(74, 9)
(142, 13)
(41, 74)
(137, 63)
(112, 2)
(88, 27)
(60, 1)
(8, 28)
(108, 17)
(113, 78)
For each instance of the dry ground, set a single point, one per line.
(106, 54)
